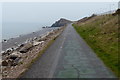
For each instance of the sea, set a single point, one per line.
(12, 30)
(18, 33)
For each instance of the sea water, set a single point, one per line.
(11, 30)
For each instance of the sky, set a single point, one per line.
(59, 0)
(0, 13)
(48, 12)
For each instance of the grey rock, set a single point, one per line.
(4, 63)
(61, 22)
(26, 47)
(14, 55)
(10, 62)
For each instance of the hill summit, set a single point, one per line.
(61, 22)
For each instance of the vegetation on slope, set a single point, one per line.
(61, 22)
(101, 34)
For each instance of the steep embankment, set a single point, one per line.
(101, 33)
(61, 22)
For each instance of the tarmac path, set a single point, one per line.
(68, 57)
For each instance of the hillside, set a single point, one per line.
(61, 22)
(101, 34)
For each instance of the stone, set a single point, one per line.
(8, 50)
(4, 63)
(16, 61)
(4, 40)
(21, 45)
(4, 73)
(2, 52)
(26, 47)
(14, 55)
(35, 43)
(35, 38)
(10, 62)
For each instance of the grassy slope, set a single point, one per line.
(101, 34)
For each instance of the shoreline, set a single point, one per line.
(11, 70)
(22, 34)
(12, 42)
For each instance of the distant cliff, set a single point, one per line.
(61, 22)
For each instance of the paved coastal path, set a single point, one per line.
(68, 57)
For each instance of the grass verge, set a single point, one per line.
(101, 34)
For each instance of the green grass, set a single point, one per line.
(101, 34)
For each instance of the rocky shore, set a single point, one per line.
(13, 42)
(16, 61)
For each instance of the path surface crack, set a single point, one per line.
(78, 71)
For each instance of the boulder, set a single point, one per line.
(2, 52)
(8, 50)
(4, 40)
(16, 61)
(35, 43)
(14, 55)
(4, 63)
(4, 74)
(10, 62)
(21, 45)
(35, 38)
(42, 42)
(26, 47)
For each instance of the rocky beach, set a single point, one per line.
(13, 42)
(19, 53)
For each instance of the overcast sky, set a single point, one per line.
(37, 12)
